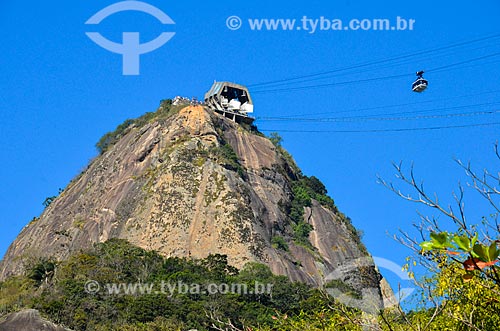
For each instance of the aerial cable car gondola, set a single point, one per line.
(420, 84)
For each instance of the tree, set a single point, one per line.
(276, 139)
(463, 263)
(42, 271)
(219, 265)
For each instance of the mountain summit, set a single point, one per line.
(186, 181)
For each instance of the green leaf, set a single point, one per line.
(427, 245)
(481, 252)
(493, 252)
(463, 242)
(440, 240)
(476, 251)
(474, 240)
(486, 253)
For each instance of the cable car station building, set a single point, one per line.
(231, 100)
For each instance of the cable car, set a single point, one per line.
(420, 84)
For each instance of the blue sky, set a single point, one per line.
(60, 93)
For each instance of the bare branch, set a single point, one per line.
(221, 325)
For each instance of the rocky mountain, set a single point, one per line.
(28, 320)
(186, 181)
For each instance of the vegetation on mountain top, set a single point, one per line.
(165, 110)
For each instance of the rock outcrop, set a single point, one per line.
(190, 183)
(28, 320)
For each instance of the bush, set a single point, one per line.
(276, 139)
(110, 138)
(301, 232)
(226, 156)
(279, 242)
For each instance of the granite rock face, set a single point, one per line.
(28, 320)
(191, 184)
